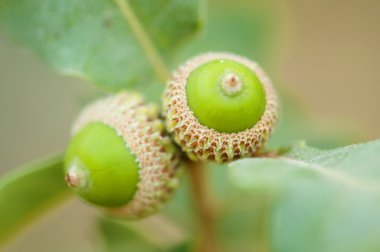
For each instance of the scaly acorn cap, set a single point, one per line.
(120, 158)
(220, 107)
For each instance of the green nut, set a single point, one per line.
(103, 176)
(120, 159)
(220, 107)
(225, 95)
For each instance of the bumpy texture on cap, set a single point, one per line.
(201, 142)
(143, 133)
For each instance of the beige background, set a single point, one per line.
(330, 59)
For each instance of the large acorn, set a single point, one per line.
(220, 106)
(119, 157)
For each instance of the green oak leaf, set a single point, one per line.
(153, 234)
(26, 193)
(113, 43)
(322, 200)
(117, 237)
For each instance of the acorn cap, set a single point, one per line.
(220, 106)
(120, 157)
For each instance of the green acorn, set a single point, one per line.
(120, 159)
(220, 107)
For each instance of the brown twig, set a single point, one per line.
(207, 239)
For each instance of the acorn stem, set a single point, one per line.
(205, 208)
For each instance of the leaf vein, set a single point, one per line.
(143, 38)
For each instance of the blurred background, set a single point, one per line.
(323, 54)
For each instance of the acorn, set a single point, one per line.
(220, 107)
(120, 158)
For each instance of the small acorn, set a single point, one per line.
(120, 159)
(220, 107)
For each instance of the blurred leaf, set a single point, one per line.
(118, 237)
(181, 207)
(232, 212)
(249, 28)
(28, 192)
(114, 43)
(323, 200)
(239, 222)
(148, 235)
(184, 247)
